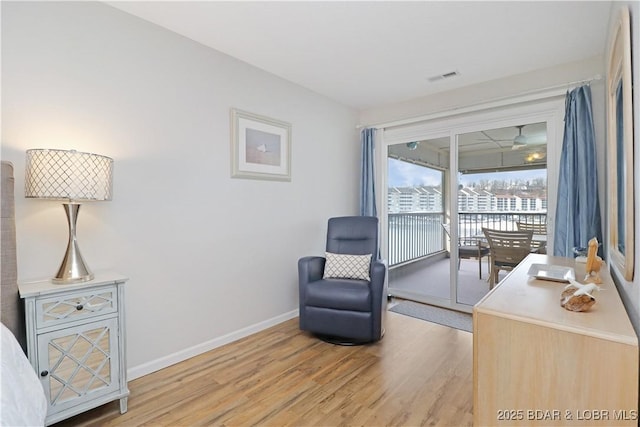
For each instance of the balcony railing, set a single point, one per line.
(419, 234)
(414, 235)
(470, 223)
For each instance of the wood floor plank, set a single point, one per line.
(419, 374)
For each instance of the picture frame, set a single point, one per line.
(620, 204)
(260, 147)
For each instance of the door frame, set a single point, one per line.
(549, 110)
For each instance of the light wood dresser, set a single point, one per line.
(535, 363)
(76, 343)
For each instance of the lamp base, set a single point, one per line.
(73, 268)
(64, 281)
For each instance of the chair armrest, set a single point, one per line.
(379, 294)
(377, 272)
(310, 269)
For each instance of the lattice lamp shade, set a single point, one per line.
(68, 175)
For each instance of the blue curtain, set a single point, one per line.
(367, 177)
(578, 208)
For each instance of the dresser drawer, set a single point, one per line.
(78, 305)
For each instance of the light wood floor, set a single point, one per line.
(420, 373)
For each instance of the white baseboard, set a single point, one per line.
(187, 353)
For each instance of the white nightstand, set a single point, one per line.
(76, 342)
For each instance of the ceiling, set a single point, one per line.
(487, 150)
(369, 54)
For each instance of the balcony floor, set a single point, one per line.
(431, 279)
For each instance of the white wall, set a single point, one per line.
(207, 255)
(488, 91)
(630, 291)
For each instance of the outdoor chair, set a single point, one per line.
(538, 246)
(508, 249)
(466, 251)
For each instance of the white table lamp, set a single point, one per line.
(73, 177)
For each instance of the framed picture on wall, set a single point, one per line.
(260, 147)
(620, 149)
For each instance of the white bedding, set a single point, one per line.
(22, 400)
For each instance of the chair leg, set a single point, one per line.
(495, 276)
(479, 267)
(491, 278)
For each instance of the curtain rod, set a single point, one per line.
(529, 95)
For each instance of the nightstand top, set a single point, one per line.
(43, 287)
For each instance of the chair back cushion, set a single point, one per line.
(356, 235)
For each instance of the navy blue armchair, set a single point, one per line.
(344, 310)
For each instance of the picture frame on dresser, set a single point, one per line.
(260, 147)
(620, 204)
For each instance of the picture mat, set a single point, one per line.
(253, 135)
(260, 147)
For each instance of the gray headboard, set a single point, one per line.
(11, 307)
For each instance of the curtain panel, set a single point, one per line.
(578, 207)
(367, 170)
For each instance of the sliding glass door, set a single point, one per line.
(502, 182)
(435, 246)
(417, 250)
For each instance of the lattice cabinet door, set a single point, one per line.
(77, 364)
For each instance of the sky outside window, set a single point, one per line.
(404, 174)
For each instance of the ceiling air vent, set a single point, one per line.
(448, 75)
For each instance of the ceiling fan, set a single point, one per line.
(519, 141)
